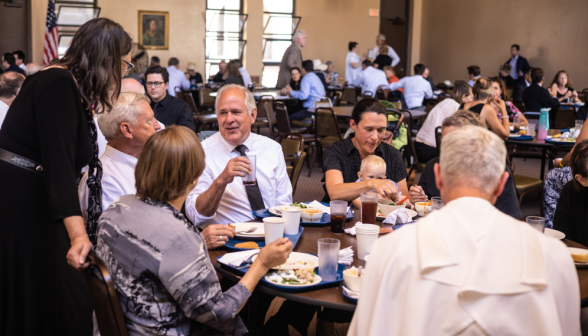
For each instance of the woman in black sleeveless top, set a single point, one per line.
(47, 137)
(561, 87)
(481, 105)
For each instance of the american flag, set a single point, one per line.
(50, 34)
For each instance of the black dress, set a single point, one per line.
(476, 108)
(382, 61)
(571, 213)
(559, 95)
(40, 294)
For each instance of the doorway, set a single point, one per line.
(394, 24)
(14, 27)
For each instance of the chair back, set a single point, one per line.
(326, 123)
(438, 136)
(410, 151)
(323, 102)
(111, 320)
(203, 135)
(520, 105)
(297, 169)
(367, 94)
(380, 94)
(430, 105)
(261, 109)
(290, 147)
(187, 96)
(442, 86)
(179, 92)
(282, 119)
(349, 95)
(206, 101)
(565, 118)
(337, 98)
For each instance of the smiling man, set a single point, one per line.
(220, 195)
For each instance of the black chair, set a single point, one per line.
(438, 136)
(565, 118)
(200, 120)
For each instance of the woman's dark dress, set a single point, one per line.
(40, 294)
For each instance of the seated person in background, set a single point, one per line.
(177, 78)
(294, 105)
(372, 167)
(10, 83)
(319, 70)
(311, 87)
(426, 145)
(536, 96)
(331, 76)
(571, 214)
(389, 71)
(561, 88)
(382, 59)
(468, 269)
(244, 73)
(473, 73)
(506, 202)
(8, 64)
(234, 74)
(295, 80)
(501, 94)
(481, 105)
(521, 84)
(370, 79)
(416, 88)
(157, 257)
(193, 76)
(429, 79)
(504, 70)
(220, 75)
(168, 110)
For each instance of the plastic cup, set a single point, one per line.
(291, 216)
(338, 216)
(436, 203)
(367, 234)
(579, 124)
(369, 207)
(531, 129)
(516, 122)
(274, 229)
(538, 223)
(249, 179)
(328, 253)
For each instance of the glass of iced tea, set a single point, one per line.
(338, 216)
(516, 123)
(249, 179)
(369, 207)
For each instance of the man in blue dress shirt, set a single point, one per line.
(311, 87)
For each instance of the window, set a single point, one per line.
(224, 33)
(279, 26)
(71, 15)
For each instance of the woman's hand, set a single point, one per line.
(275, 253)
(77, 254)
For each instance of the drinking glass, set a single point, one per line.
(516, 122)
(436, 203)
(579, 124)
(338, 216)
(538, 223)
(369, 207)
(249, 179)
(328, 253)
(531, 129)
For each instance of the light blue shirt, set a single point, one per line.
(176, 78)
(513, 71)
(471, 82)
(416, 88)
(370, 79)
(311, 87)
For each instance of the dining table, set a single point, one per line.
(258, 94)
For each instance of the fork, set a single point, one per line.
(249, 231)
(247, 262)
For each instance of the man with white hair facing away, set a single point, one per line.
(469, 269)
(381, 41)
(292, 59)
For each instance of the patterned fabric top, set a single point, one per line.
(165, 281)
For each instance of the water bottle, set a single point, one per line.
(543, 123)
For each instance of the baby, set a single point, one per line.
(372, 167)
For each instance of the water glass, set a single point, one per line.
(436, 203)
(516, 123)
(249, 179)
(369, 207)
(538, 223)
(579, 124)
(328, 253)
(531, 129)
(338, 216)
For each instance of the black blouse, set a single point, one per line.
(571, 214)
(383, 60)
(559, 95)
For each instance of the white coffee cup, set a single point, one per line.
(274, 229)
(367, 234)
(291, 216)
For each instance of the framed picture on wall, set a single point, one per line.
(154, 30)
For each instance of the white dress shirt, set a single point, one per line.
(176, 78)
(513, 70)
(23, 66)
(416, 88)
(468, 269)
(3, 110)
(471, 82)
(435, 118)
(118, 179)
(246, 77)
(370, 79)
(234, 206)
(351, 73)
(391, 53)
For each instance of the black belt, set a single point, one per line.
(20, 161)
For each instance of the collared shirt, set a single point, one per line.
(173, 111)
(311, 87)
(246, 77)
(416, 88)
(350, 72)
(370, 79)
(3, 110)
(391, 53)
(513, 70)
(527, 83)
(234, 206)
(456, 266)
(435, 118)
(118, 178)
(471, 82)
(15, 68)
(176, 78)
(23, 67)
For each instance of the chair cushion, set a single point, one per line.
(525, 183)
(327, 141)
(302, 123)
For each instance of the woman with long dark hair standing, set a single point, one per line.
(47, 137)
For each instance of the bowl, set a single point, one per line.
(352, 282)
(311, 215)
(422, 208)
(385, 210)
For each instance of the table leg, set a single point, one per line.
(543, 154)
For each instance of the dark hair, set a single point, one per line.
(352, 45)
(8, 57)
(155, 59)
(10, 83)
(367, 105)
(238, 61)
(516, 46)
(500, 82)
(21, 55)
(308, 66)
(94, 59)
(366, 62)
(568, 84)
(537, 75)
(156, 69)
(234, 69)
(474, 70)
(530, 70)
(173, 61)
(419, 69)
(295, 68)
(579, 163)
(460, 89)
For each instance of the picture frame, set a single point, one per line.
(153, 30)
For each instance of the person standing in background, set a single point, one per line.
(518, 67)
(381, 41)
(292, 58)
(177, 78)
(10, 84)
(352, 63)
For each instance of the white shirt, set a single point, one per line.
(435, 118)
(416, 88)
(527, 83)
(513, 70)
(3, 110)
(471, 82)
(246, 77)
(468, 269)
(118, 179)
(23, 66)
(370, 79)
(350, 72)
(176, 78)
(391, 53)
(234, 206)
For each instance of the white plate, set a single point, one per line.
(412, 213)
(576, 250)
(514, 135)
(277, 210)
(521, 127)
(317, 280)
(554, 233)
(296, 259)
(242, 227)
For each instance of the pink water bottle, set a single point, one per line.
(543, 123)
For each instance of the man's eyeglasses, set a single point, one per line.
(156, 84)
(129, 65)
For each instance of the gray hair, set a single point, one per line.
(472, 156)
(126, 109)
(132, 85)
(249, 99)
(382, 37)
(298, 34)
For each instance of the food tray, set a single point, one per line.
(320, 285)
(349, 298)
(571, 143)
(230, 245)
(326, 220)
(521, 137)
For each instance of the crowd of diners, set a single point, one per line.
(153, 200)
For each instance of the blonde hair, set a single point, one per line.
(388, 68)
(373, 161)
(249, 99)
(170, 162)
(125, 109)
(462, 118)
(474, 157)
(383, 49)
(482, 88)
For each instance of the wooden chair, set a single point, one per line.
(326, 131)
(337, 98)
(179, 92)
(206, 101)
(525, 185)
(367, 94)
(349, 95)
(565, 118)
(109, 314)
(438, 136)
(265, 114)
(200, 120)
(380, 94)
(297, 169)
(410, 151)
(283, 123)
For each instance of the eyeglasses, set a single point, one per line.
(156, 84)
(129, 65)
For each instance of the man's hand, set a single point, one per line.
(275, 253)
(216, 235)
(520, 73)
(503, 73)
(287, 89)
(238, 166)
(77, 254)
(416, 194)
(384, 188)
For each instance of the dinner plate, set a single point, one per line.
(241, 228)
(412, 213)
(277, 210)
(554, 233)
(297, 260)
(317, 280)
(577, 250)
(521, 127)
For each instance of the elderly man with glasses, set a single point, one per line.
(168, 110)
